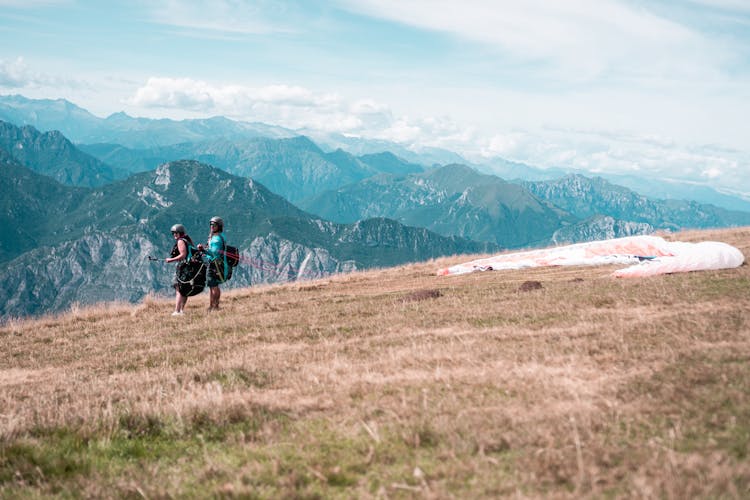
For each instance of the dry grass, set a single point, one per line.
(392, 383)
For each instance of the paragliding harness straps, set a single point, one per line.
(191, 281)
(190, 262)
(220, 266)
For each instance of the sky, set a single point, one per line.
(657, 88)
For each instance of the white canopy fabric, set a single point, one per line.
(647, 256)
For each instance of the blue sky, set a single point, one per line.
(642, 87)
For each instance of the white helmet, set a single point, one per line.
(218, 221)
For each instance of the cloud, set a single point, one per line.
(287, 105)
(187, 93)
(232, 17)
(181, 93)
(576, 40)
(297, 107)
(620, 153)
(735, 5)
(597, 150)
(15, 74)
(711, 173)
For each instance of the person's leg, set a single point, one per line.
(177, 301)
(182, 302)
(215, 295)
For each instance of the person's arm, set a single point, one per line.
(213, 251)
(182, 248)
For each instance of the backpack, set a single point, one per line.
(231, 257)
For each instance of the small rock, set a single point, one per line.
(422, 295)
(528, 286)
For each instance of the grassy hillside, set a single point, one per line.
(393, 383)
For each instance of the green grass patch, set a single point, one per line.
(303, 459)
(53, 455)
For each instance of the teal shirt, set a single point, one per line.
(215, 249)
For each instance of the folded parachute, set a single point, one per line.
(648, 256)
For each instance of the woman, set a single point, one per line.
(181, 252)
(217, 261)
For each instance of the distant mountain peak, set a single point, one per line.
(386, 155)
(187, 171)
(120, 115)
(44, 106)
(52, 154)
(303, 142)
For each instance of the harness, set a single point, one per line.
(188, 243)
(196, 277)
(191, 272)
(221, 270)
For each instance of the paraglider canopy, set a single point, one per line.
(647, 256)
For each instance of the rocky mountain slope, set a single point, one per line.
(450, 200)
(589, 197)
(51, 154)
(29, 204)
(457, 200)
(599, 227)
(102, 237)
(295, 168)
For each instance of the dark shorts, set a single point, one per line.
(215, 276)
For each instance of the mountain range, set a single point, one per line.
(73, 244)
(120, 129)
(453, 199)
(82, 219)
(587, 197)
(52, 154)
(82, 127)
(457, 200)
(658, 189)
(295, 168)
